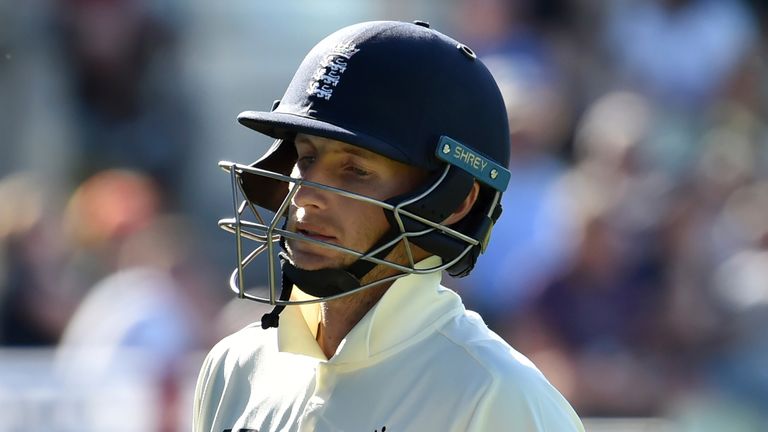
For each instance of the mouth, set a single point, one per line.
(315, 233)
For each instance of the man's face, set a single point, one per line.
(331, 218)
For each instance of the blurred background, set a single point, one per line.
(631, 263)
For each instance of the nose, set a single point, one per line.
(309, 196)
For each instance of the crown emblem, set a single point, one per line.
(328, 74)
(344, 49)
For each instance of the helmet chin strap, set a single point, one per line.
(272, 319)
(323, 282)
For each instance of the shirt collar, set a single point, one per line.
(410, 308)
(297, 331)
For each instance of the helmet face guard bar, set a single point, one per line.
(268, 234)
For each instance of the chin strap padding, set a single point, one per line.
(323, 282)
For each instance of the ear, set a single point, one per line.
(465, 206)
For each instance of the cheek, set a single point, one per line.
(366, 223)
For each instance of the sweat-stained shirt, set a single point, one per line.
(417, 361)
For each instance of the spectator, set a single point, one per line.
(650, 42)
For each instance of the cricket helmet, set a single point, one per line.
(404, 91)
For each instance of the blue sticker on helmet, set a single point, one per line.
(481, 167)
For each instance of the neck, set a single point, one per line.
(338, 317)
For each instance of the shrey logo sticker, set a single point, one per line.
(328, 75)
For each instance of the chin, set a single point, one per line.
(315, 260)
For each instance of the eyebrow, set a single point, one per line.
(365, 154)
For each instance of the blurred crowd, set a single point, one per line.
(630, 263)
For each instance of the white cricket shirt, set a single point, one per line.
(418, 361)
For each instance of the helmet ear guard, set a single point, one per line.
(437, 206)
(477, 224)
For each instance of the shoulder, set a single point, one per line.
(227, 368)
(490, 353)
(243, 344)
(516, 392)
(235, 353)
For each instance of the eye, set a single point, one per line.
(304, 161)
(357, 171)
